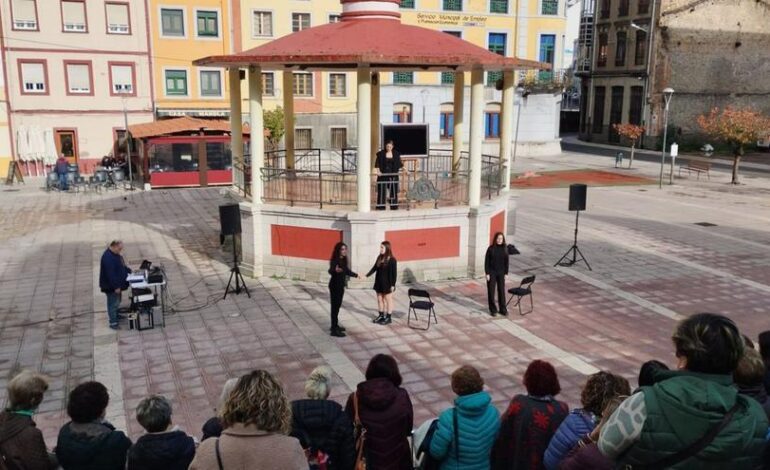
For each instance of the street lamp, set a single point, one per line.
(667, 94)
(520, 94)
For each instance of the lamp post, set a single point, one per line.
(520, 94)
(667, 94)
(127, 136)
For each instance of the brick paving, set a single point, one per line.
(651, 264)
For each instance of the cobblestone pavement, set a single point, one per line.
(651, 266)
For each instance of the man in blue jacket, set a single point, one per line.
(113, 273)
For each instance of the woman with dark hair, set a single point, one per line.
(385, 411)
(530, 421)
(339, 271)
(386, 269)
(496, 270)
(662, 425)
(387, 164)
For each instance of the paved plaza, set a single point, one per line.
(652, 265)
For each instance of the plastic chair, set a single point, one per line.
(416, 304)
(99, 180)
(119, 178)
(524, 290)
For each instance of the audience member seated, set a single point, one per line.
(163, 447)
(764, 351)
(530, 421)
(21, 443)
(88, 442)
(659, 426)
(213, 427)
(648, 371)
(256, 418)
(599, 389)
(585, 455)
(749, 376)
(320, 424)
(385, 411)
(477, 422)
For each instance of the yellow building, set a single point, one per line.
(5, 129)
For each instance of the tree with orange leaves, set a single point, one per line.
(737, 128)
(631, 132)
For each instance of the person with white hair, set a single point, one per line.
(321, 425)
(164, 446)
(213, 427)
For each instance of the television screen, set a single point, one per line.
(409, 139)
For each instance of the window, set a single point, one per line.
(492, 124)
(644, 7)
(640, 48)
(262, 24)
(620, 49)
(498, 6)
(446, 126)
(34, 77)
(118, 20)
(211, 83)
(601, 60)
(66, 142)
(303, 84)
(335, 18)
(548, 48)
(493, 77)
(550, 7)
(339, 137)
(24, 14)
(497, 43)
(122, 79)
(338, 85)
(599, 95)
(453, 5)
(407, 4)
(268, 83)
(605, 12)
(635, 105)
(176, 82)
(403, 78)
(448, 78)
(172, 22)
(616, 112)
(207, 23)
(402, 112)
(300, 21)
(623, 8)
(73, 16)
(78, 78)
(303, 138)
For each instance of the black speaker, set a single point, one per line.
(230, 219)
(577, 197)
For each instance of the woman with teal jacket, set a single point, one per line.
(473, 423)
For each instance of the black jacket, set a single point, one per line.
(496, 260)
(337, 280)
(758, 393)
(212, 428)
(321, 424)
(163, 451)
(112, 272)
(386, 275)
(386, 165)
(91, 446)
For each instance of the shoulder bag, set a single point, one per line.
(360, 434)
(219, 456)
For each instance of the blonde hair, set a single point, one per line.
(319, 384)
(258, 399)
(25, 391)
(226, 390)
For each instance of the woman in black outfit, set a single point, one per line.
(338, 269)
(388, 164)
(496, 269)
(384, 283)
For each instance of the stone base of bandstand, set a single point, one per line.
(429, 244)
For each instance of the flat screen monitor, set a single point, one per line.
(408, 139)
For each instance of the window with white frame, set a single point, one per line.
(172, 22)
(550, 7)
(78, 79)
(24, 14)
(208, 23)
(303, 84)
(338, 85)
(268, 83)
(176, 82)
(122, 79)
(300, 21)
(73, 14)
(211, 83)
(335, 18)
(33, 77)
(118, 21)
(498, 6)
(339, 137)
(261, 23)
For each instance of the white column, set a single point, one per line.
(288, 116)
(459, 110)
(257, 140)
(364, 130)
(236, 118)
(506, 129)
(477, 137)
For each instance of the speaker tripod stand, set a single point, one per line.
(574, 251)
(235, 273)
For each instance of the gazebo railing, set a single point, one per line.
(304, 159)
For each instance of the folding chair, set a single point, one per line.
(524, 290)
(51, 181)
(415, 304)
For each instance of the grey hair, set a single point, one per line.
(154, 413)
(319, 384)
(115, 243)
(226, 389)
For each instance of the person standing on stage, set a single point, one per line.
(339, 271)
(496, 269)
(386, 269)
(388, 164)
(113, 274)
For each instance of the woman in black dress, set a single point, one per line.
(496, 269)
(339, 271)
(384, 283)
(388, 164)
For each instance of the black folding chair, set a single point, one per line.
(416, 304)
(524, 290)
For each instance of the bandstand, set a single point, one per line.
(295, 209)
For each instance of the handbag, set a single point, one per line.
(512, 250)
(219, 456)
(360, 434)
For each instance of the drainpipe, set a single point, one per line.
(647, 112)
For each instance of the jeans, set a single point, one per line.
(113, 302)
(63, 181)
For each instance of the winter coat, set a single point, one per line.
(244, 447)
(91, 446)
(759, 394)
(323, 425)
(172, 450)
(212, 428)
(496, 260)
(526, 428)
(113, 272)
(576, 425)
(586, 457)
(22, 443)
(338, 280)
(685, 406)
(386, 412)
(385, 277)
(477, 422)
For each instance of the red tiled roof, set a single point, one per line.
(177, 125)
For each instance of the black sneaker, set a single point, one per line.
(379, 319)
(386, 321)
(338, 334)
